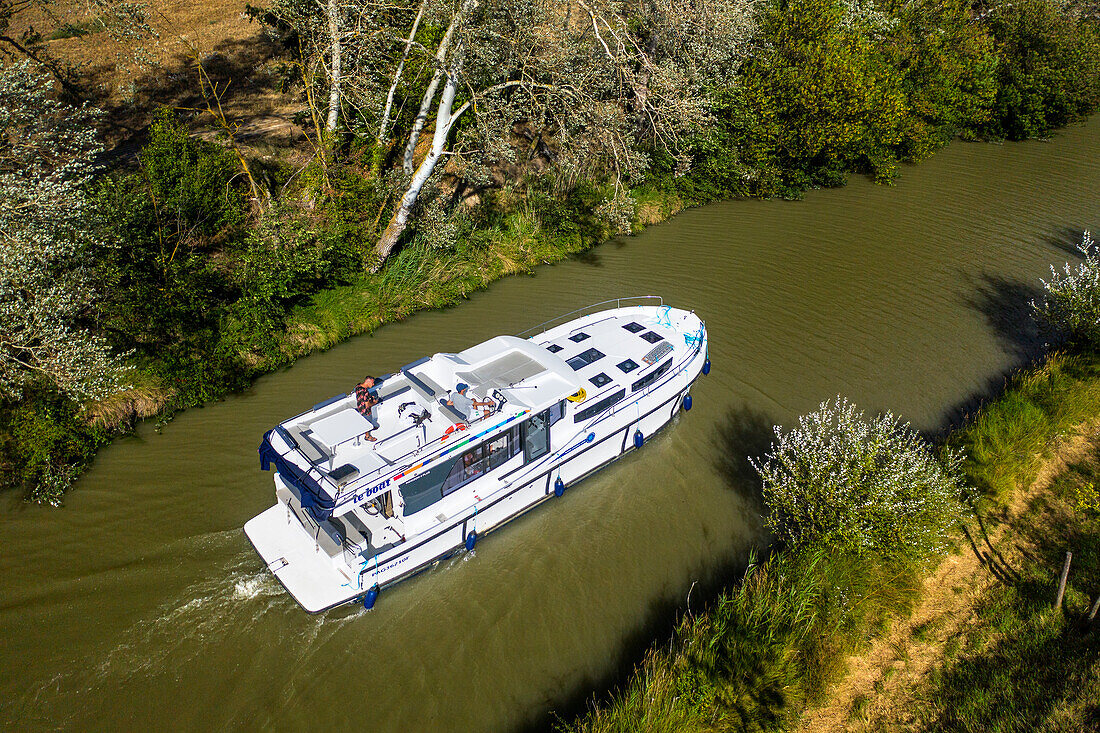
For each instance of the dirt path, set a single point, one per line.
(878, 684)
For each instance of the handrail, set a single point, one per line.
(565, 316)
(347, 492)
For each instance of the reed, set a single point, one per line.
(763, 650)
(1006, 441)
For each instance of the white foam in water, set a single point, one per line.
(260, 584)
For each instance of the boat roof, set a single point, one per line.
(601, 353)
(525, 374)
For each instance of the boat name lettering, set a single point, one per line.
(374, 489)
(392, 565)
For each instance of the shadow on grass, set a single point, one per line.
(1043, 669)
(249, 94)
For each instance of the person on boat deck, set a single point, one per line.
(366, 399)
(371, 384)
(464, 403)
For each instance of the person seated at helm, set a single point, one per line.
(464, 403)
(366, 400)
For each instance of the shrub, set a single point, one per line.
(1049, 71)
(826, 100)
(44, 441)
(190, 181)
(872, 486)
(1070, 304)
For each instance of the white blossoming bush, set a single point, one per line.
(47, 229)
(1070, 303)
(871, 485)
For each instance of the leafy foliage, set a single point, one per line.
(870, 486)
(1049, 72)
(1070, 303)
(830, 103)
(47, 233)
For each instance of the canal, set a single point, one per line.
(141, 603)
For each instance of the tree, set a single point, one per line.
(588, 84)
(577, 79)
(47, 231)
(869, 485)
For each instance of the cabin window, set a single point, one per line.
(557, 412)
(652, 377)
(628, 366)
(600, 379)
(553, 348)
(578, 337)
(482, 459)
(536, 435)
(598, 407)
(652, 337)
(634, 327)
(583, 359)
(423, 491)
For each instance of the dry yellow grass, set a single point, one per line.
(877, 690)
(125, 407)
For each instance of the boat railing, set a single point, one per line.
(619, 303)
(346, 493)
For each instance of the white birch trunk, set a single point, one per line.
(383, 127)
(444, 121)
(335, 71)
(429, 95)
(421, 118)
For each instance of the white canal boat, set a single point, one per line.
(352, 516)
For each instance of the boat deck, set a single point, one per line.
(609, 355)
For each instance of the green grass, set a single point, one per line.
(77, 30)
(418, 278)
(1027, 665)
(1008, 439)
(764, 650)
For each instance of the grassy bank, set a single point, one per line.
(780, 637)
(1023, 664)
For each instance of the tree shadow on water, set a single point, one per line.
(1005, 305)
(744, 432)
(1066, 240)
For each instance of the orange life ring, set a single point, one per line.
(456, 427)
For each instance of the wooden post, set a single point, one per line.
(1062, 582)
(1094, 609)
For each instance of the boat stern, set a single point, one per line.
(308, 573)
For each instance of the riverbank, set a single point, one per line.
(816, 634)
(238, 285)
(143, 595)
